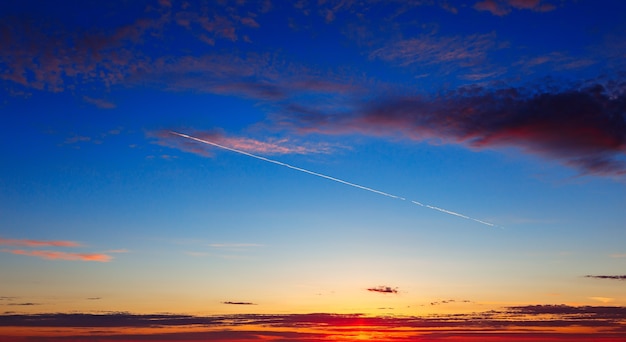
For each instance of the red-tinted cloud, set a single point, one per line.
(56, 255)
(38, 243)
(584, 128)
(504, 7)
(269, 147)
(521, 323)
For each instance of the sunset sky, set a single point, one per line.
(313, 170)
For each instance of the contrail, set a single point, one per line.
(325, 176)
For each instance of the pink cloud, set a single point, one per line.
(268, 147)
(504, 7)
(55, 255)
(38, 243)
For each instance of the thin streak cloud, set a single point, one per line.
(38, 243)
(55, 255)
(324, 176)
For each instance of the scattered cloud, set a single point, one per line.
(610, 277)
(383, 289)
(450, 301)
(466, 50)
(55, 255)
(38, 243)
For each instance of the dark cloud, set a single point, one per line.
(583, 127)
(383, 289)
(238, 303)
(533, 322)
(24, 304)
(613, 277)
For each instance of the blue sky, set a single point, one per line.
(509, 112)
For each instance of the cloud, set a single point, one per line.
(238, 303)
(580, 127)
(234, 245)
(383, 289)
(532, 322)
(267, 147)
(24, 304)
(100, 103)
(38, 243)
(611, 277)
(618, 255)
(55, 255)
(504, 7)
(450, 301)
(466, 50)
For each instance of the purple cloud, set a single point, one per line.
(583, 128)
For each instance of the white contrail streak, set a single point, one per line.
(325, 176)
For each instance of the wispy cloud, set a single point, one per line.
(429, 49)
(450, 301)
(234, 245)
(383, 289)
(100, 103)
(268, 147)
(38, 243)
(504, 7)
(56, 255)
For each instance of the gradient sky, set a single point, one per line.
(506, 112)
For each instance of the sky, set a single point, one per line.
(322, 170)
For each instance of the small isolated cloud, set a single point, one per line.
(618, 255)
(38, 243)
(610, 277)
(55, 255)
(100, 103)
(383, 289)
(238, 303)
(94, 298)
(24, 304)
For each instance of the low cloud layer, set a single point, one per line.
(537, 322)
